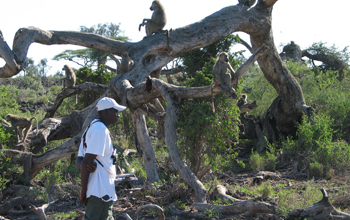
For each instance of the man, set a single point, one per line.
(96, 159)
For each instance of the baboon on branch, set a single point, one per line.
(125, 64)
(222, 78)
(157, 21)
(21, 123)
(242, 101)
(70, 79)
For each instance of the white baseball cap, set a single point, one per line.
(106, 103)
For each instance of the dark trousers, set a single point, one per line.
(96, 209)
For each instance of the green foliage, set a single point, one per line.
(315, 143)
(331, 57)
(266, 190)
(86, 74)
(266, 161)
(5, 137)
(256, 161)
(62, 215)
(100, 76)
(206, 135)
(316, 169)
(26, 89)
(11, 172)
(262, 91)
(8, 103)
(210, 213)
(206, 138)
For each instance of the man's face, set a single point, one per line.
(113, 115)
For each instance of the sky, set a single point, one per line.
(302, 21)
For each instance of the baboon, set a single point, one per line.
(248, 3)
(292, 51)
(69, 81)
(157, 21)
(125, 63)
(222, 78)
(242, 101)
(21, 123)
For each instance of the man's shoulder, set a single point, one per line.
(97, 126)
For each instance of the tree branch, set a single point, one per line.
(11, 68)
(68, 92)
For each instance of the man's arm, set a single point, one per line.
(90, 167)
(88, 160)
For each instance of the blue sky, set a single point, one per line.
(304, 21)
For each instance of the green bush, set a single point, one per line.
(316, 169)
(256, 161)
(206, 138)
(8, 103)
(86, 74)
(315, 142)
(262, 91)
(266, 161)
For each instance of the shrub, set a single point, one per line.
(316, 169)
(315, 143)
(206, 138)
(8, 103)
(256, 161)
(267, 161)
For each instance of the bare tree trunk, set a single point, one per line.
(291, 105)
(171, 142)
(147, 148)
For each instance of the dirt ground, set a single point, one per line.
(176, 196)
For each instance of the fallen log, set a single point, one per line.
(220, 193)
(320, 210)
(5, 208)
(250, 207)
(153, 207)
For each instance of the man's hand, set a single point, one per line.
(82, 198)
(91, 167)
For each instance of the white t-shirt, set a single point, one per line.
(98, 142)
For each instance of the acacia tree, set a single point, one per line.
(150, 55)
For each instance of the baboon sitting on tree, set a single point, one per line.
(70, 79)
(242, 101)
(222, 78)
(157, 21)
(21, 123)
(125, 64)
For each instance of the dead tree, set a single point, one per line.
(150, 55)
